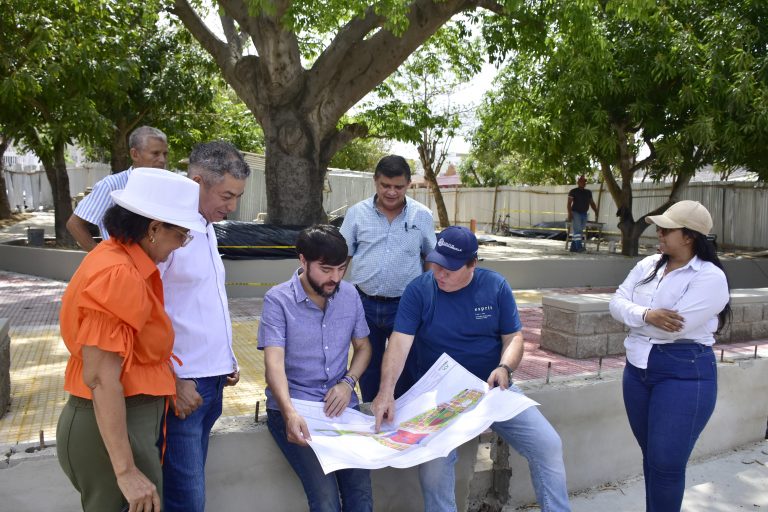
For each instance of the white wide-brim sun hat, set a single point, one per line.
(162, 195)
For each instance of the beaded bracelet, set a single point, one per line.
(348, 380)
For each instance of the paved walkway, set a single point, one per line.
(38, 355)
(725, 483)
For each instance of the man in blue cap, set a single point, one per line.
(470, 314)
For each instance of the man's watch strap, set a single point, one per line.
(506, 367)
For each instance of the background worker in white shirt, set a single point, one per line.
(196, 301)
(148, 148)
(673, 304)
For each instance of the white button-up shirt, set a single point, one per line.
(196, 301)
(698, 291)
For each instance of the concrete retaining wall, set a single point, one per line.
(580, 326)
(598, 445)
(252, 278)
(247, 472)
(5, 366)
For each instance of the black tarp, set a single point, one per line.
(250, 241)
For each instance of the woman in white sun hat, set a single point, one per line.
(673, 303)
(120, 339)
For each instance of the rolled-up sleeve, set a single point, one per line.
(622, 308)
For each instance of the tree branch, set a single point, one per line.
(220, 51)
(361, 64)
(341, 138)
(491, 6)
(231, 34)
(333, 56)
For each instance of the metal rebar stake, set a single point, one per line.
(256, 416)
(600, 367)
(42, 440)
(549, 370)
(755, 351)
(722, 353)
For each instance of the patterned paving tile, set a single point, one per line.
(38, 355)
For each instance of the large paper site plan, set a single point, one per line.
(444, 409)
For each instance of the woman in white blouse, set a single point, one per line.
(673, 303)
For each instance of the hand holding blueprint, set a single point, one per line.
(447, 407)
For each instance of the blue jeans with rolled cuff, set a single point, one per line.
(668, 405)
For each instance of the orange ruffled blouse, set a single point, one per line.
(114, 301)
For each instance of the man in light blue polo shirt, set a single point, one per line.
(388, 235)
(148, 147)
(306, 328)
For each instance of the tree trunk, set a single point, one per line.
(120, 159)
(294, 173)
(427, 151)
(5, 205)
(56, 171)
(442, 213)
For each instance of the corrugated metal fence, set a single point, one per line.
(739, 210)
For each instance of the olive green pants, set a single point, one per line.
(84, 458)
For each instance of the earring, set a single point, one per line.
(151, 239)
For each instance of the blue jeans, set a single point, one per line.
(323, 491)
(668, 404)
(380, 317)
(187, 448)
(579, 222)
(534, 438)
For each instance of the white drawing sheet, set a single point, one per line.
(447, 407)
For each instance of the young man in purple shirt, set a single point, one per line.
(306, 328)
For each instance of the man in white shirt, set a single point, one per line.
(196, 301)
(148, 148)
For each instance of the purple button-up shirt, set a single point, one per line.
(316, 342)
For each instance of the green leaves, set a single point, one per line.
(688, 77)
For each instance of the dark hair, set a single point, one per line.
(323, 243)
(212, 160)
(124, 225)
(705, 249)
(393, 166)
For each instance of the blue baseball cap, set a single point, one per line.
(456, 245)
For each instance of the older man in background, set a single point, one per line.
(148, 148)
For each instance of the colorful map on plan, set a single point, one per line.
(447, 407)
(415, 430)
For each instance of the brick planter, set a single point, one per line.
(580, 326)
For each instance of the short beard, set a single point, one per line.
(319, 289)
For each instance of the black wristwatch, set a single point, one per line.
(509, 370)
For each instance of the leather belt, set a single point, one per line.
(378, 298)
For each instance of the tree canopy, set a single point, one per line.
(418, 102)
(663, 88)
(90, 71)
(309, 63)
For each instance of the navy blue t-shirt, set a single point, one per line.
(466, 324)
